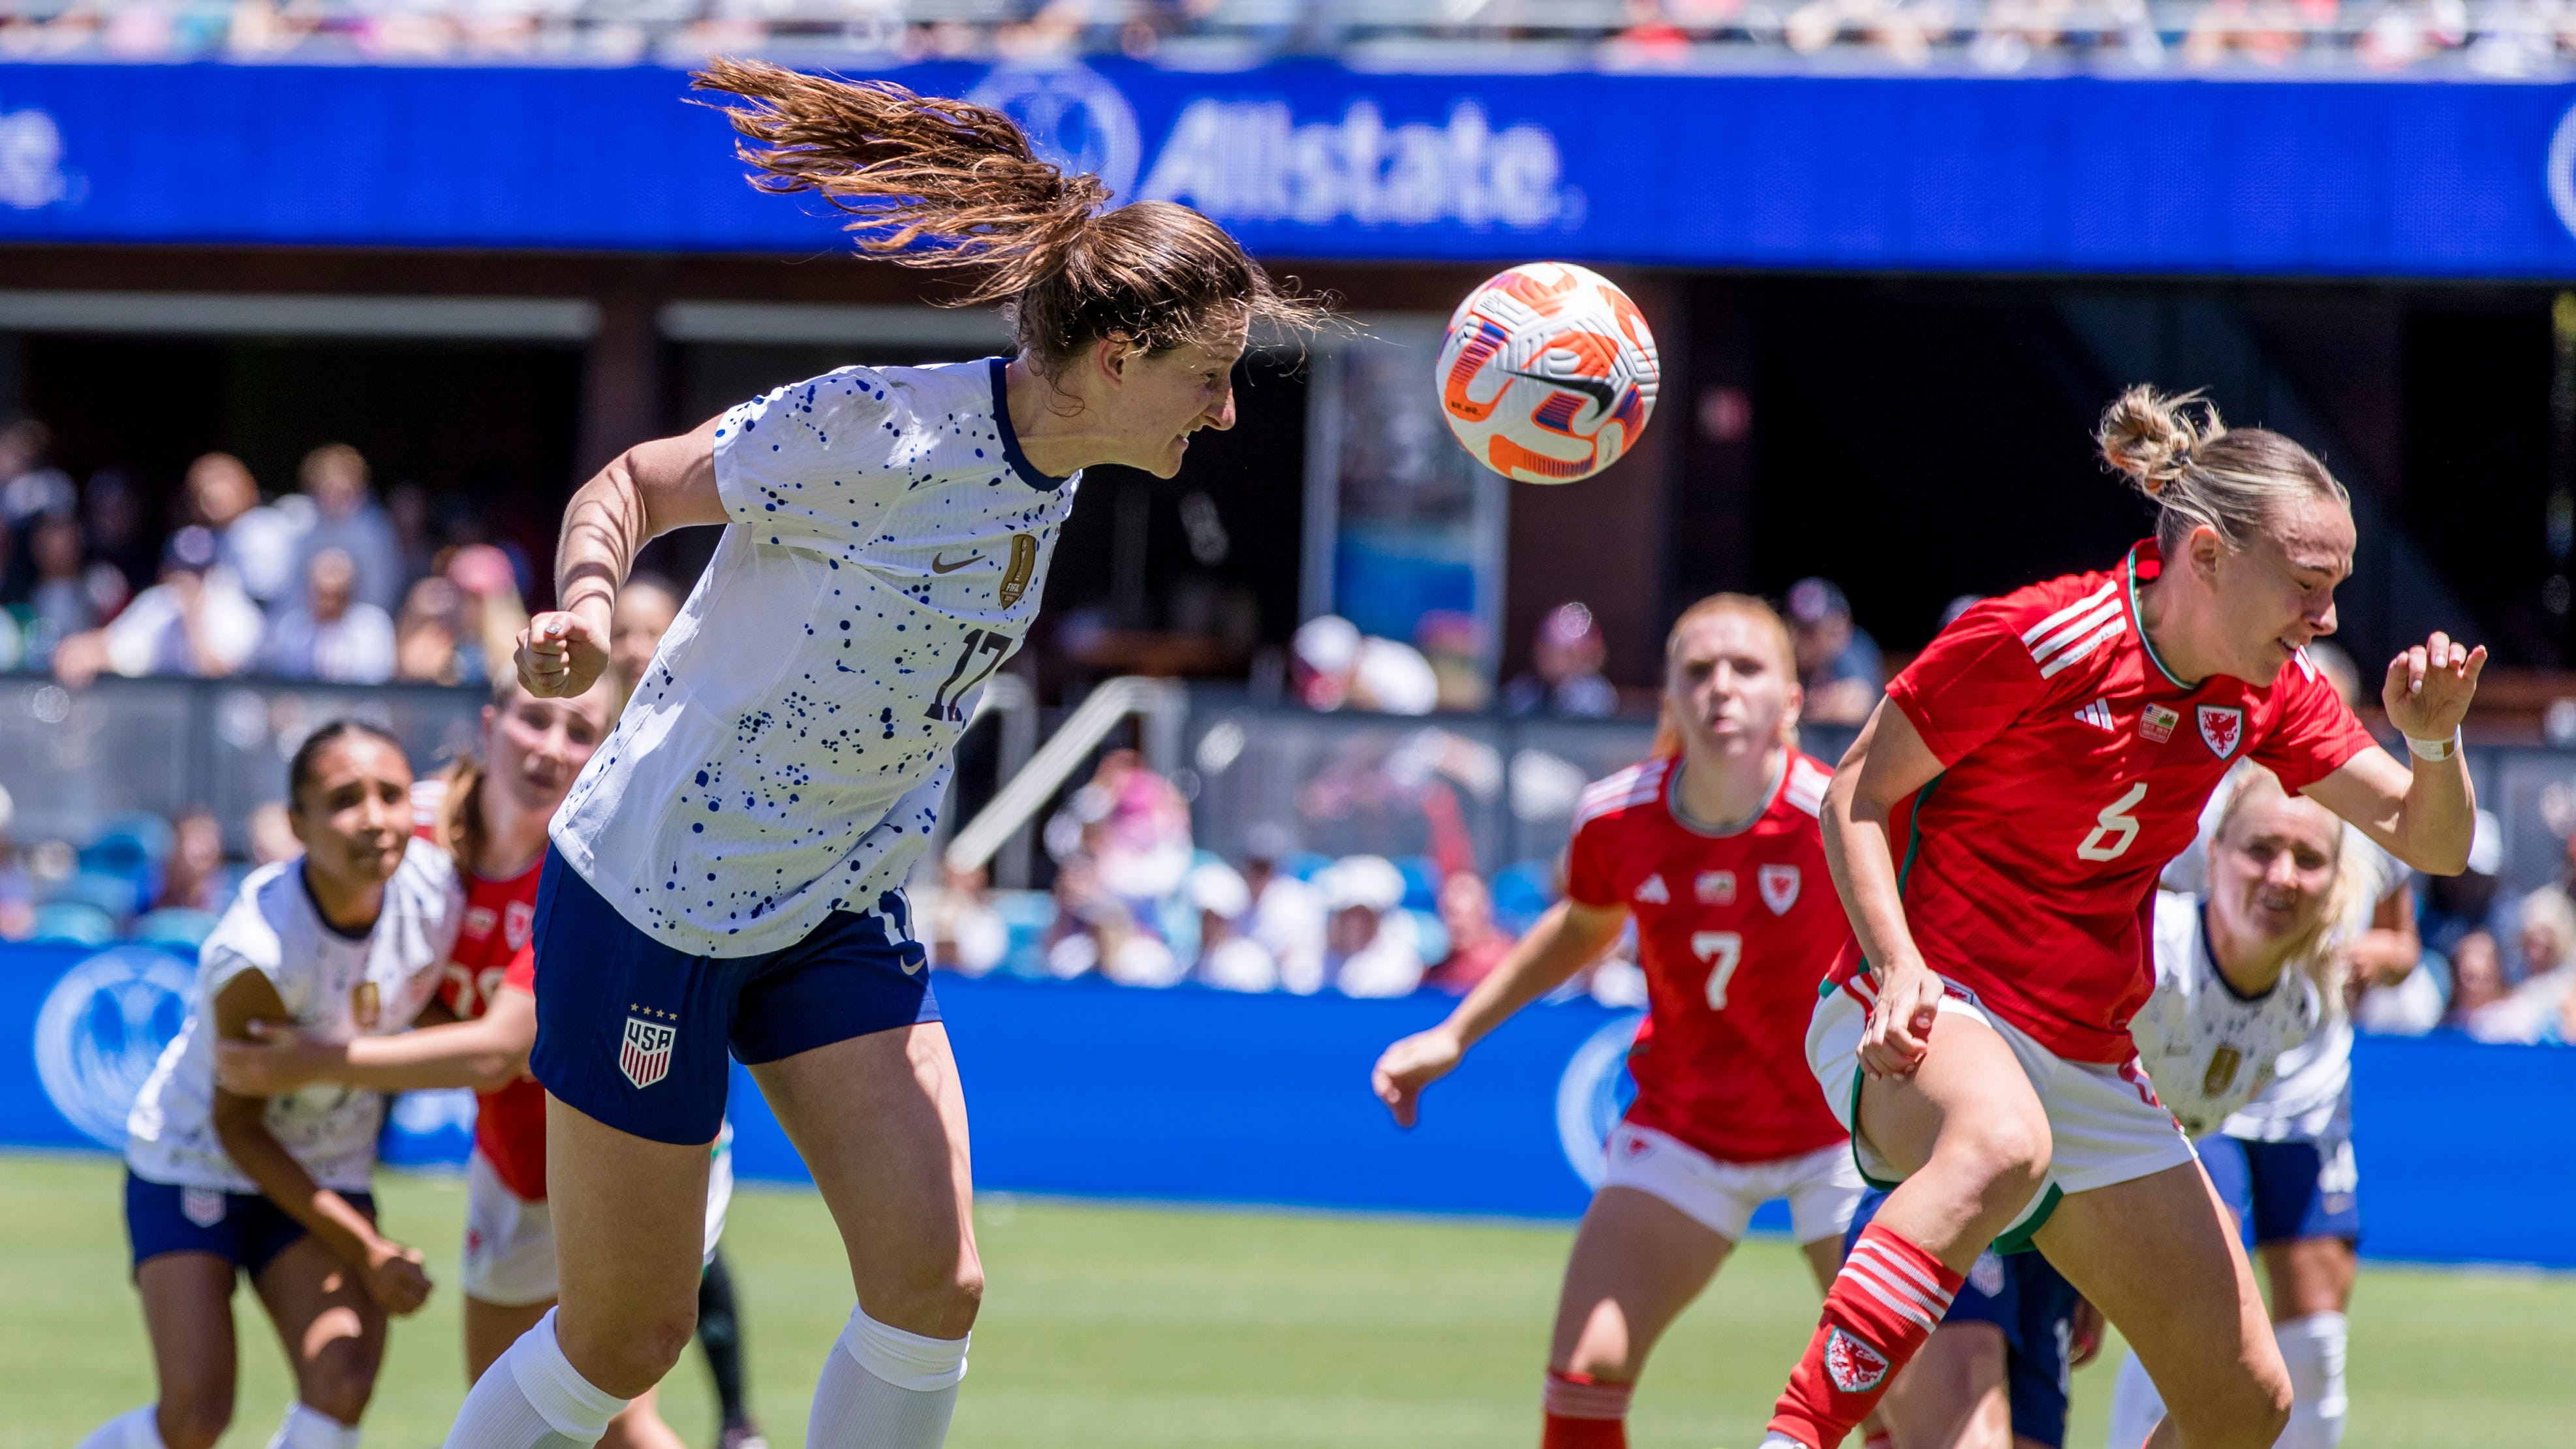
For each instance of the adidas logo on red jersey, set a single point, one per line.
(2098, 715)
(1651, 890)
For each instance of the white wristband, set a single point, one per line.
(2433, 749)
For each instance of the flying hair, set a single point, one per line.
(2178, 452)
(937, 183)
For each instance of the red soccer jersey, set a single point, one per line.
(2074, 768)
(1734, 931)
(493, 950)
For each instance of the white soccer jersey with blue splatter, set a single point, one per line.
(786, 752)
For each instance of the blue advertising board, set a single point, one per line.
(1305, 158)
(1089, 1090)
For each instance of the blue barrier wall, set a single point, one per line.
(1304, 158)
(1098, 1091)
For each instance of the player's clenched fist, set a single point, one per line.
(395, 1278)
(1411, 1065)
(2430, 685)
(562, 653)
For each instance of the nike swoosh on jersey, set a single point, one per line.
(939, 565)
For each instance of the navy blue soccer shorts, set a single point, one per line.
(635, 1034)
(244, 1228)
(2283, 1191)
(2034, 1306)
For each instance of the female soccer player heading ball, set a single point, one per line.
(727, 872)
(1711, 848)
(2034, 769)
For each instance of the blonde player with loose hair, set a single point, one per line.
(1996, 832)
(726, 877)
(1711, 849)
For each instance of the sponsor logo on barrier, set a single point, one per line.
(102, 1028)
(1592, 1094)
(1073, 116)
(1252, 161)
(31, 162)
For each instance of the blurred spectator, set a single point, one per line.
(491, 612)
(17, 892)
(112, 515)
(1455, 646)
(194, 877)
(272, 839)
(1565, 661)
(1287, 914)
(67, 595)
(196, 621)
(2477, 977)
(645, 609)
(963, 931)
(1228, 959)
(256, 541)
(407, 508)
(1095, 931)
(1139, 833)
(2532, 1010)
(1837, 662)
(332, 635)
(1336, 665)
(425, 634)
(27, 486)
(346, 517)
(1476, 944)
(1370, 946)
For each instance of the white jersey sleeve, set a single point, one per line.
(804, 462)
(2208, 1048)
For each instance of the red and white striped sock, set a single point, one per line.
(1585, 1413)
(1886, 1301)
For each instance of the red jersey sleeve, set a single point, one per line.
(1975, 678)
(522, 970)
(2314, 733)
(1589, 864)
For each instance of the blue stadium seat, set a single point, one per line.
(115, 896)
(73, 923)
(1421, 882)
(174, 926)
(1522, 893)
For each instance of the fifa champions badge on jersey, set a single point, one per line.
(366, 1005)
(644, 1055)
(2156, 724)
(2222, 728)
(1779, 886)
(1715, 887)
(1855, 1367)
(1022, 568)
(2222, 1071)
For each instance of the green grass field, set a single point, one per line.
(1143, 1327)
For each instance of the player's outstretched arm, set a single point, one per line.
(2425, 810)
(391, 1272)
(647, 491)
(1886, 763)
(1568, 938)
(485, 1054)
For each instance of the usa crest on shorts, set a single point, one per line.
(645, 1054)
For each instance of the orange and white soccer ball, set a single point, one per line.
(1548, 373)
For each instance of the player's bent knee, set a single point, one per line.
(637, 1354)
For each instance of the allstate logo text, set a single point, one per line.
(1251, 161)
(102, 1028)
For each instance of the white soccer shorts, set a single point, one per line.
(1821, 1186)
(510, 1241)
(2105, 1124)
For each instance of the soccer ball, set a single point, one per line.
(1548, 373)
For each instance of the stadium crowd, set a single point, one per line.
(327, 582)
(331, 583)
(2492, 37)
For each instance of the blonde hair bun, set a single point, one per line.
(2151, 437)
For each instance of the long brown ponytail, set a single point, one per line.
(931, 182)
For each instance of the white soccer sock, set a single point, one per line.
(2136, 1406)
(533, 1398)
(2313, 1347)
(133, 1429)
(883, 1388)
(307, 1427)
